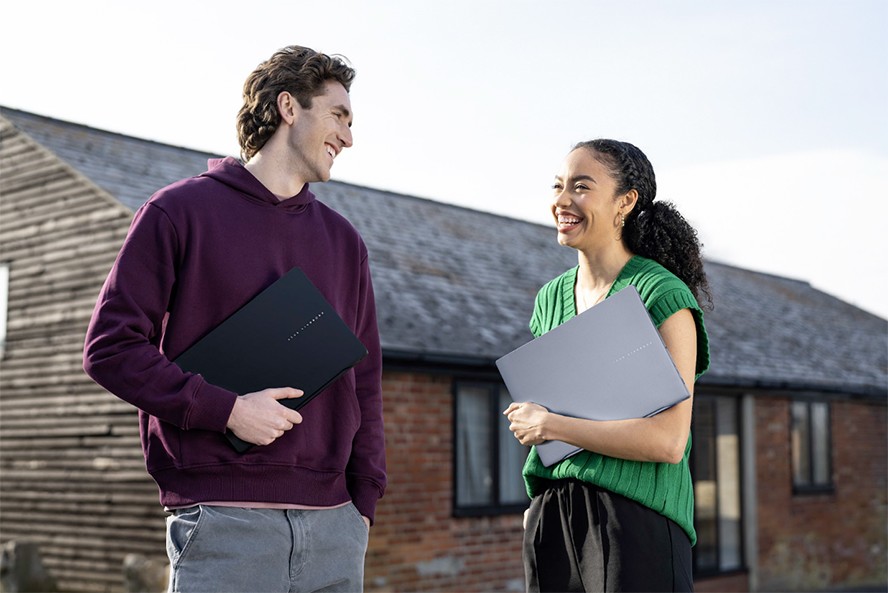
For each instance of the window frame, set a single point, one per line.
(812, 487)
(712, 399)
(494, 390)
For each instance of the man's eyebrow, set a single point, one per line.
(345, 111)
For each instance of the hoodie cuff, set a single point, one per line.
(210, 409)
(364, 496)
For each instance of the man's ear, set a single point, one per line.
(288, 108)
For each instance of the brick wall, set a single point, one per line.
(822, 541)
(416, 544)
(732, 583)
(806, 542)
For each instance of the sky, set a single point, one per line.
(765, 120)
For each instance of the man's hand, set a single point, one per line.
(260, 419)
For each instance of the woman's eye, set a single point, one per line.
(581, 187)
(556, 186)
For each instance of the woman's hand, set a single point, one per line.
(527, 421)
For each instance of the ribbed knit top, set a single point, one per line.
(663, 487)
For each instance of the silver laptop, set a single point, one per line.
(607, 363)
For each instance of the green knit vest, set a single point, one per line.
(663, 487)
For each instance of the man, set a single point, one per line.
(292, 513)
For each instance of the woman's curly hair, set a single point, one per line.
(655, 230)
(300, 71)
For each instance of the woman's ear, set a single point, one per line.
(628, 201)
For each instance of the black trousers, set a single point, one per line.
(582, 538)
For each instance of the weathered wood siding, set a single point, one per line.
(73, 478)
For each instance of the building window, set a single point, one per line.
(4, 304)
(488, 458)
(811, 446)
(715, 468)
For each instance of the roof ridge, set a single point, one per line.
(195, 151)
(105, 132)
(719, 263)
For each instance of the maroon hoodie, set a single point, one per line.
(196, 252)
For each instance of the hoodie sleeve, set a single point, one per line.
(122, 347)
(366, 470)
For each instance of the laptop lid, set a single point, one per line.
(286, 336)
(607, 363)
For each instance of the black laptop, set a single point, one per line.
(286, 336)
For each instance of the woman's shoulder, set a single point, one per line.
(649, 276)
(662, 292)
(643, 268)
(553, 303)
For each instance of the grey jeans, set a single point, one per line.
(227, 549)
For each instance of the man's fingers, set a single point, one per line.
(291, 416)
(284, 392)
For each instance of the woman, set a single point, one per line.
(619, 515)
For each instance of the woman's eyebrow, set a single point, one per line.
(576, 178)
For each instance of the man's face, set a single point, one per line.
(320, 133)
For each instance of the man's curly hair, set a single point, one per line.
(655, 230)
(299, 70)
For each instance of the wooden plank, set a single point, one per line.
(137, 495)
(72, 408)
(85, 394)
(89, 523)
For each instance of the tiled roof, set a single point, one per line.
(125, 167)
(457, 285)
(781, 333)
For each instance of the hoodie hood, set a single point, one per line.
(230, 172)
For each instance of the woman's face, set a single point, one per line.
(584, 204)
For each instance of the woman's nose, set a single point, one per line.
(561, 199)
